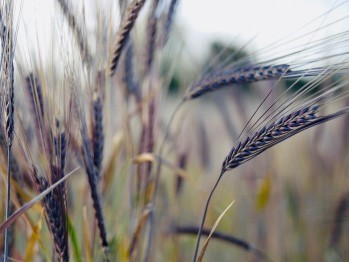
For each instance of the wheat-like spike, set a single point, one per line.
(87, 153)
(151, 36)
(123, 33)
(55, 216)
(78, 33)
(269, 136)
(8, 82)
(97, 132)
(242, 75)
(91, 171)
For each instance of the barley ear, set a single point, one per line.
(223, 78)
(123, 33)
(97, 132)
(7, 83)
(91, 171)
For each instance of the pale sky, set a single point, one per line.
(266, 20)
(271, 18)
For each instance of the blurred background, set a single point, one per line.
(290, 202)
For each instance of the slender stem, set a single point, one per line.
(204, 216)
(8, 201)
(151, 204)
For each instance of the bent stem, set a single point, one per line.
(204, 216)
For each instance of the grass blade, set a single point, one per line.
(32, 202)
(203, 250)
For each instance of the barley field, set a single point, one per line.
(127, 134)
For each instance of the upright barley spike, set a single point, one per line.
(123, 33)
(91, 171)
(97, 132)
(7, 82)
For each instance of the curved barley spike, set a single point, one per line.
(269, 136)
(123, 33)
(222, 78)
(265, 138)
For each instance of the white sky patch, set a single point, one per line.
(201, 20)
(267, 19)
